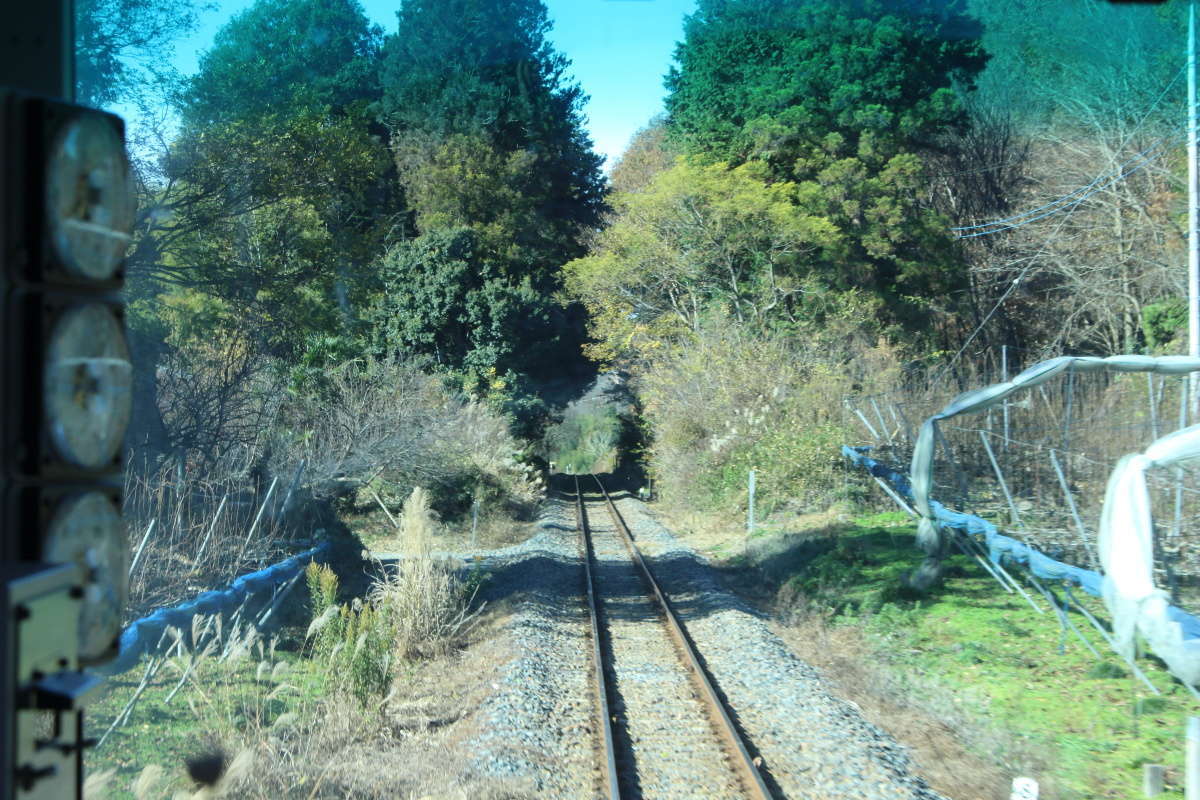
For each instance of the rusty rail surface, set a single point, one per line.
(611, 787)
(719, 715)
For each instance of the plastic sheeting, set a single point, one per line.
(1126, 552)
(999, 546)
(921, 471)
(143, 634)
(1127, 555)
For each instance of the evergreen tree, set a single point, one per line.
(841, 99)
(284, 56)
(773, 78)
(474, 94)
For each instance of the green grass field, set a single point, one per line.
(1094, 723)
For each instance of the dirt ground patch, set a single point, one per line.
(417, 744)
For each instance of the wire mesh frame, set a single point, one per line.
(1060, 444)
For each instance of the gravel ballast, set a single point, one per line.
(537, 725)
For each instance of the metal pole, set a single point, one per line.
(287, 498)
(1090, 617)
(1062, 481)
(1004, 377)
(869, 426)
(1012, 507)
(261, 509)
(1177, 529)
(1193, 758)
(882, 425)
(1153, 406)
(1193, 223)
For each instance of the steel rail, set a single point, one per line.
(613, 789)
(720, 715)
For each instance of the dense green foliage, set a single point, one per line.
(278, 57)
(333, 192)
(443, 298)
(841, 99)
(772, 79)
(487, 131)
(794, 230)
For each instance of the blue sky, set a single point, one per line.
(620, 51)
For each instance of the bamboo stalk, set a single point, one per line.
(261, 509)
(211, 528)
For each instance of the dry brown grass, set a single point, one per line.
(423, 600)
(415, 744)
(204, 531)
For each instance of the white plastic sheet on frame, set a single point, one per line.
(1127, 554)
(1126, 548)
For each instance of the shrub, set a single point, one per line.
(733, 401)
(587, 435)
(391, 421)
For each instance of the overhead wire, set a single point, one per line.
(1087, 190)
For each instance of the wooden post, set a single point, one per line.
(474, 520)
(1152, 779)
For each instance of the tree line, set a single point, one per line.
(324, 191)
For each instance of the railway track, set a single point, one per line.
(663, 728)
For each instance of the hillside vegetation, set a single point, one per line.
(385, 263)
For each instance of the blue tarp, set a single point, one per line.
(145, 633)
(999, 545)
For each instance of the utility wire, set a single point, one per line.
(1012, 287)
(1066, 198)
(1146, 161)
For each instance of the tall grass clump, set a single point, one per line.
(416, 611)
(425, 600)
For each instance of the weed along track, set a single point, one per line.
(663, 730)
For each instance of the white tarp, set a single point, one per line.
(1127, 555)
(1126, 527)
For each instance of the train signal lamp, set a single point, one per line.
(66, 214)
(67, 377)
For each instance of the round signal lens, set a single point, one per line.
(89, 198)
(88, 391)
(87, 530)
